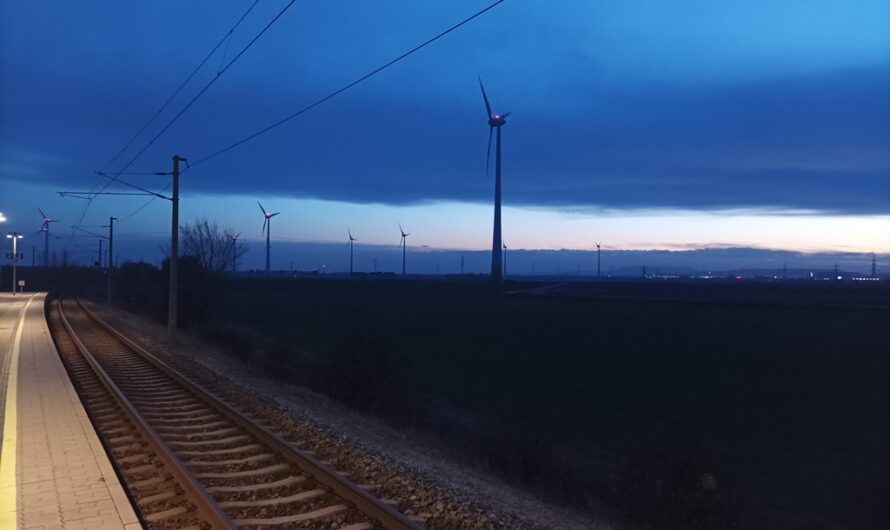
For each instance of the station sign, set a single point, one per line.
(10, 255)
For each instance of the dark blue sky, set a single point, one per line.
(631, 107)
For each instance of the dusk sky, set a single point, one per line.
(643, 125)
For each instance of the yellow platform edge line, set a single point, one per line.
(8, 493)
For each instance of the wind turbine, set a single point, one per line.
(495, 121)
(234, 238)
(267, 229)
(45, 230)
(351, 250)
(597, 260)
(404, 246)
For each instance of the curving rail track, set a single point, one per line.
(189, 460)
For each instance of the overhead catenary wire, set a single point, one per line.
(144, 205)
(209, 84)
(327, 97)
(347, 86)
(225, 39)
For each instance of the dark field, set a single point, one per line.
(781, 391)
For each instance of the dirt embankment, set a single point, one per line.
(397, 465)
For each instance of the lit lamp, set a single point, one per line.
(15, 236)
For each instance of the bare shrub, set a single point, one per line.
(365, 376)
(210, 245)
(674, 486)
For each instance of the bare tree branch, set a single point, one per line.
(212, 246)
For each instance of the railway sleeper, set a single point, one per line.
(268, 470)
(228, 451)
(299, 497)
(316, 515)
(221, 441)
(247, 488)
(202, 434)
(263, 457)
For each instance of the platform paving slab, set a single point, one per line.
(62, 476)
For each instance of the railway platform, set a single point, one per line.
(54, 472)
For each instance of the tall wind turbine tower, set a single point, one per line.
(874, 266)
(267, 229)
(45, 230)
(495, 121)
(351, 250)
(404, 244)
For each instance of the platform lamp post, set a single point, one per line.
(2, 220)
(15, 236)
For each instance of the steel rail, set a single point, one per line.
(363, 500)
(205, 505)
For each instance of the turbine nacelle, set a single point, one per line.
(496, 120)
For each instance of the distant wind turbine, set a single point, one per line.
(267, 229)
(404, 245)
(351, 244)
(45, 230)
(597, 260)
(495, 121)
(234, 238)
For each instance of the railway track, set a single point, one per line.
(190, 460)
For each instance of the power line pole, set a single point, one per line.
(173, 298)
(110, 272)
(33, 254)
(874, 266)
(99, 259)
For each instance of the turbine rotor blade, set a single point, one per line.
(274, 214)
(261, 208)
(265, 222)
(485, 97)
(504, 115)
(41, 213)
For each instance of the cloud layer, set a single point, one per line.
(643, 127)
